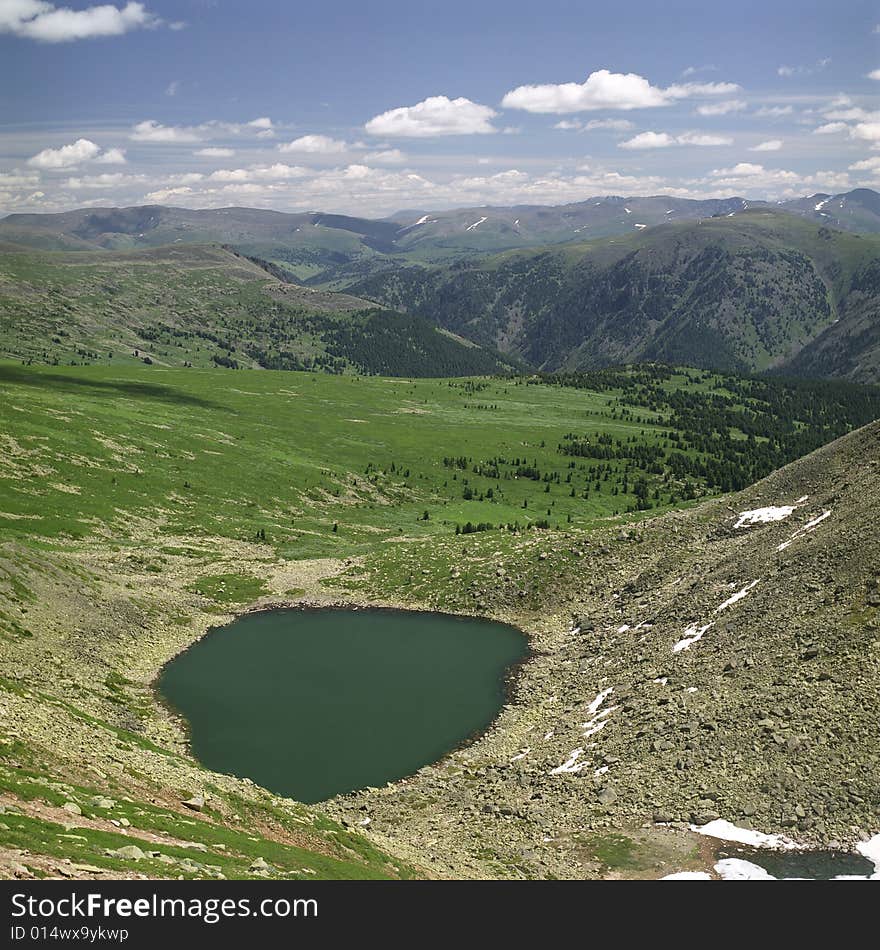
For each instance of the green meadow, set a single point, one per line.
(320, 465)
(314, 464)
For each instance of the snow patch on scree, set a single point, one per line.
(806, 529)
(737, 596)
(726, 831)
(691, 635)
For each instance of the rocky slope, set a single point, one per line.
(708, 663)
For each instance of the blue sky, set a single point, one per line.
(368, 108)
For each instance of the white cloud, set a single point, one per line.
(829, 128)
(601, 90)
(39, 20)
(617, 125)
(740, 170)
(702, 139)
(215, 152)
(109, 180)
(82, 150)
(434, 116)
(867, 164)
(722, 108)
(693, 70)
(853, 114)
(697, 90)
(874, 74)
(606, 90)
(388, 156)
(18, 179)
(866, 131)
(774, 111)
(164, 194)
(646, 140)
(315, 145)
(152, 131)
(614, 125)
(788, 71)
(265, 127)
(276, 172)
(771, 145)
(112, 156)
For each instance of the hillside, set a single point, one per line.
(721, 662)
(141, 506)
(748, 292)
(207, 306)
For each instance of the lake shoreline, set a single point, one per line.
(429, 646)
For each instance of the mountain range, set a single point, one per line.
(724, 283)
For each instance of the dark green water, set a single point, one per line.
(311, 703)
(812, 865)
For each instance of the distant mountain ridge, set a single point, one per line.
(722, 283)
(760, 290)
(317, 246)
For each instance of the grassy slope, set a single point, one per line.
(139, 507)
(198, 304)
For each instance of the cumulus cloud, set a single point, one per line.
(151, 131)
(388, 156)
(603, 89)
(614, 125)
(264, 126)
(276, 172)
(696, 90)
(315, 145)
(774, 111)
(42, 21)
(721, 108)
(18, 179)
(867, 164)
(434, 116)
(617, 125)
(68, 156)
(215, 152)
(107, 180)
(874, 74)
(771, 145)
(112, 156)
(740, 170)
(703, 139)
(829, 128)
(647, 140)
(866, 131)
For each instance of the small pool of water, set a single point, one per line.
(812, 865)
(313, 703)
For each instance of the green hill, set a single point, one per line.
(207, 306)
(757, 290)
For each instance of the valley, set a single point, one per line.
(144, 505)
